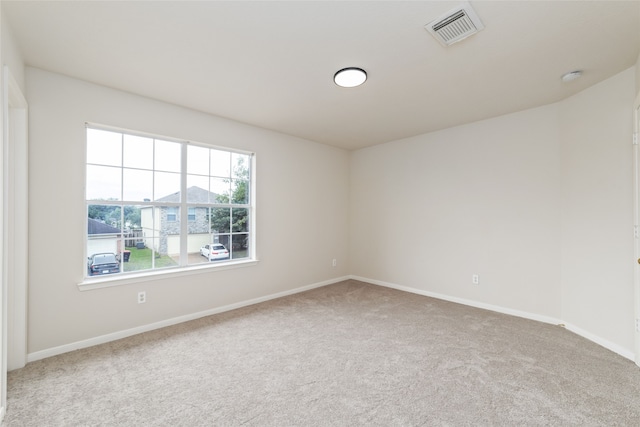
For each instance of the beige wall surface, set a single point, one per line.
(431, 211)
(597, 207)
(638, 75)
(11, 55)
(302, 220)
(537, 203)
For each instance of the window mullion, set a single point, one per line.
(154, 238)
(120, 241)
(184, 214)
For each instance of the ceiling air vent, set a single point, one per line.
(456, 25)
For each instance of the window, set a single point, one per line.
(172, 214)
(139, 187)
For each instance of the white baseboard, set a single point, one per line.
(38, 355)
(31, 357)
(518, 313)
(471, 303)
(601, 341)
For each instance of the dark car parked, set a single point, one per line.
(103, 263)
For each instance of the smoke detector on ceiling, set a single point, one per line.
(455, 25)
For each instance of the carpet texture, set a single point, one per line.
(342, 355)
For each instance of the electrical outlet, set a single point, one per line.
(334, 262)
(475, 279)
(637, 325)
(142, 297)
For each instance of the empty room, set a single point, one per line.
(320, 213)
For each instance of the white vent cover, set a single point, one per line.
(455, 25)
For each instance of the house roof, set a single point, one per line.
(195, 194)
(96, 227)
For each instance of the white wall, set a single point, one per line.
(538, 203)
(11, 55)
(430, 211)
(14, 197)
(638, 75)
(302, 202)
(597, 205)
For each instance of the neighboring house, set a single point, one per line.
(161, 227)
(102, 238)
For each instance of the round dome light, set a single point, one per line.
(350, 77)
(569, 77)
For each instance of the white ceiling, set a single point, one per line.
(271, 64)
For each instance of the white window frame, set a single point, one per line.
(183, 268)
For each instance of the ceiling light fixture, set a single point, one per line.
(350, 77)
(571, 76)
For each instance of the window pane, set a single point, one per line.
(132, 222)
(103, 261)
(103, 183)
(200, 218)
(104, 239)
(241, 163)
(223, 239)
(138, 152)
(149, 223)
(220, 187)
(167, 187)
(167, 156)
(198, 247)
(161, 235)
(139, 257)
(197, 189)
(145, 256)
(199, 234)
(104, 148)
(220, 220)
(240, 246)
(132, 258)
(103, 219)
(137, 185)
(220, 163)
(197, 194)
(216, 251)
(197, 160)
(142, 254)
(240, 219)
(240, 192)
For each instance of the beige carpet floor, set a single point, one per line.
(349, 354)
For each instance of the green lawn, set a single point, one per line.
(140, 259)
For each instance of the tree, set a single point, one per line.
(225, 220)
(111, 214)
(132, 216)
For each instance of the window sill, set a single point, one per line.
(126, 279)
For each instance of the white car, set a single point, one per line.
(214, 251)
